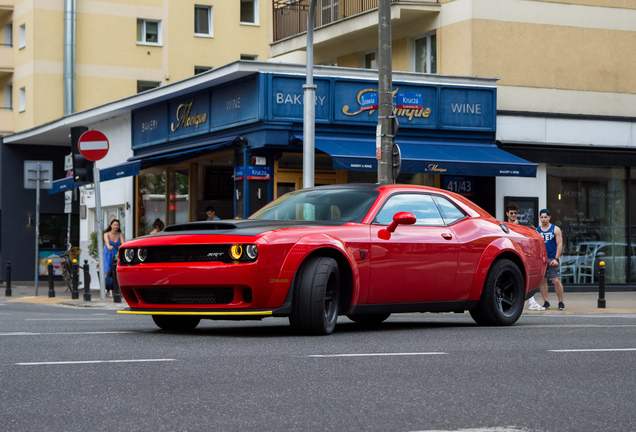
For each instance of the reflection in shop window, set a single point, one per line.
(179, 198)
(151, 200)
(588, 204)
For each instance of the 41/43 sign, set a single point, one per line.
(460, 184)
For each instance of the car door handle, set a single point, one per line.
(447, 236)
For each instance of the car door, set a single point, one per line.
(418, 263)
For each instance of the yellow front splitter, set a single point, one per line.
(228, 314)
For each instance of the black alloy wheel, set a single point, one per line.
(502, 298)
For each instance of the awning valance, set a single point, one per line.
(426, 157)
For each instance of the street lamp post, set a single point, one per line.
(385, 94)
(309, 104)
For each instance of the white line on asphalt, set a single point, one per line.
(94, 361)
(376, 354)
(64, 333)
(69, 319)
(594, 350)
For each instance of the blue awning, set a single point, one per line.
(172, 155)
(424, 157)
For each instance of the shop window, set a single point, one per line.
(426, 54)
(589, 205)
(148, 32)
(151, 200)
(178, 210)
(203, 21)
(249, 11)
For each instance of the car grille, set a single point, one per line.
(189, 253)
(186, 296)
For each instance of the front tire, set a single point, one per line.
(316, 297)
(502, 298)
(176, 322)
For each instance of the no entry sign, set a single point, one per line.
(93, 145)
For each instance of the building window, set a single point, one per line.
(8, 97)
(201, 69)
(142, 86)
(8, 34)
(252, 57)
(203, 21)
(426, 54)
(370, 61)
(22, 100)
(148, 32)
(22, 36)
(249, 11)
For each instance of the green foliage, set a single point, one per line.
(92, 245)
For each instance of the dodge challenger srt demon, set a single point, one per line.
(361, 250)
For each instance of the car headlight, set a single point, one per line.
(142, 254)
(236, 251)
(129, 255)
(251, 251)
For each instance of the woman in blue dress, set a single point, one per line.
(113, 238)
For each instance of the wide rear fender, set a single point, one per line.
(498, 247)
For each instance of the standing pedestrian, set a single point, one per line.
(113, 238)
(554, 246)
(512, 210)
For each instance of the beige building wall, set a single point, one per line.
(109, 60)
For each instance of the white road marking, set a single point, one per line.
(69, 319)
(94, 362)
(594, 350)
(64, 333)
(376, 354)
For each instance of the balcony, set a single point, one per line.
(6, 7)
(6, 59)
(341, 22)
(6, 121)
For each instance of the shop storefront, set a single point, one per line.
(237, 144)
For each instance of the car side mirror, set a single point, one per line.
(400, 218)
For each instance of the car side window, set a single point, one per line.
(421, 205)
(450, 212)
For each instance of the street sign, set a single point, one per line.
(38, 173)
(68, 201)
(93, 145)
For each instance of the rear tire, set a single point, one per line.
(316, 297)
(502, 298)
(369, 319)
(176, 322)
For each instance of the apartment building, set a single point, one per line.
(566, 99)
(59, 57)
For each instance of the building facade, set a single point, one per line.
(566, 99)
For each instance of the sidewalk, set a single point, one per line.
(25, 292)
(575, 303)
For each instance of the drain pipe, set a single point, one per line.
(69, 57)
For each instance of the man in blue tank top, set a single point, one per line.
(554, 246)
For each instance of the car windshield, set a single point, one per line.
(340, 205)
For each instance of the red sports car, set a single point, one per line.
(361, 250)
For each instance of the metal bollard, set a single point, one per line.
(50, 274)
(87, 281)
(601, 285)
(116, 290)
(7, 291)
(75, 276)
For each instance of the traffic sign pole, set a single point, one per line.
(100, 236)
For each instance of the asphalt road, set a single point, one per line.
(72, 369)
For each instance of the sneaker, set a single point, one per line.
(110, 294)
(561, 306)
(536, 306)
(546, 305)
